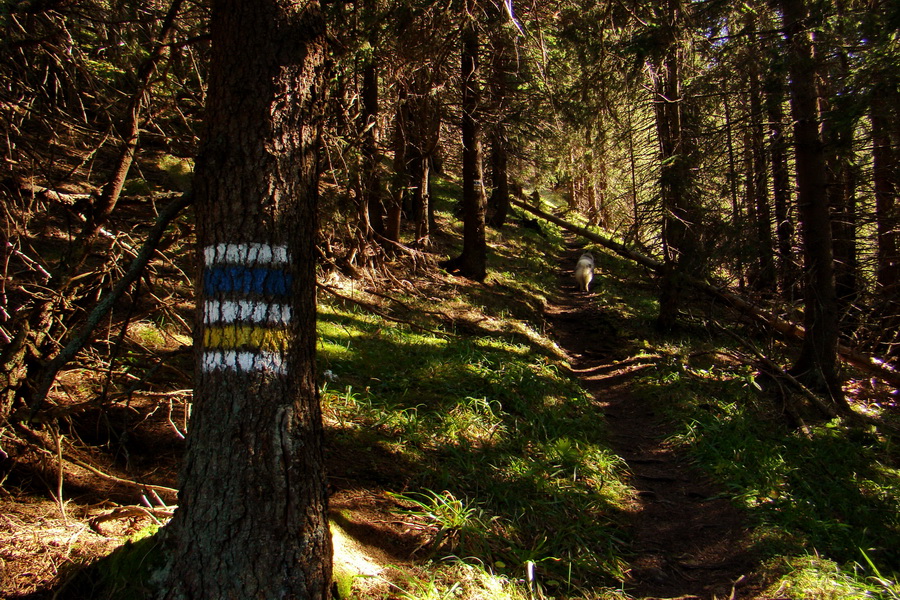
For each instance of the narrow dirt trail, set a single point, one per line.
(686, 541)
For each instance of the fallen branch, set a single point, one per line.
(105, 306)
(124, 512)
(40, 444)
(770, 364)
(127, 482)
(375, 310)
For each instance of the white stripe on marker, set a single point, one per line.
(247, 311)
(245, 254)
(231, 360)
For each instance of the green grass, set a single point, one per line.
(493, 450)
(498, 439)
(503, 457)
(826, 505)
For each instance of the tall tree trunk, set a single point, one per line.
(472, 263)
(498, 203)
(371, 202)
(424, 128)
(886, 175)
(817, 363)
(765, 259)
(677, 190)
(736, 212)
(837, 134)
(842, 200)
(781, 187)
(634, 232)
(420, 170)
(251, 521)
(400, 179)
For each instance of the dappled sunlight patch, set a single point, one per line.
(822, 579)
(538, 339)
(474, 420)
(457, 578)
(356, 568)
(41, 548)
(153, 337)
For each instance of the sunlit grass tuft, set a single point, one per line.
(813, 576)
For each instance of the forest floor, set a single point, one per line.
(682, 537)
(688, 540)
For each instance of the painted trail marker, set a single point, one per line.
(246, 311)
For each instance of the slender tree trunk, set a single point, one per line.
(634, 233)
(472, 263)
(818, 360)
(668, 128)
(781, 188)
(765, 259)
(885, 174)
(372, 203)
(599, 176)
(837, 132)
(736, 212)
(421, 174)
(251, 521)
(423, 128)
(499, 200)
(842, 199)
(400, 179)
(498, 203)
(681, 252)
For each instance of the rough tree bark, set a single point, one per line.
(251, 521)
(837, 133)
(371, 203)
(424, 136)
(400, 178)
(501, 64)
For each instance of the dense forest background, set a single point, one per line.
(747, 149)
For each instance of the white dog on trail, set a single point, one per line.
(584, 272)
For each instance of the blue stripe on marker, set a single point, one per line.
(247, 280)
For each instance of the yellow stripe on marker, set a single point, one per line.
(244, 336)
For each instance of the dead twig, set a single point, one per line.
(119, 480)
(104, 306)
(771, 365)
(371, 308)
(38, 443)
(124, 512)
(57, 436)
